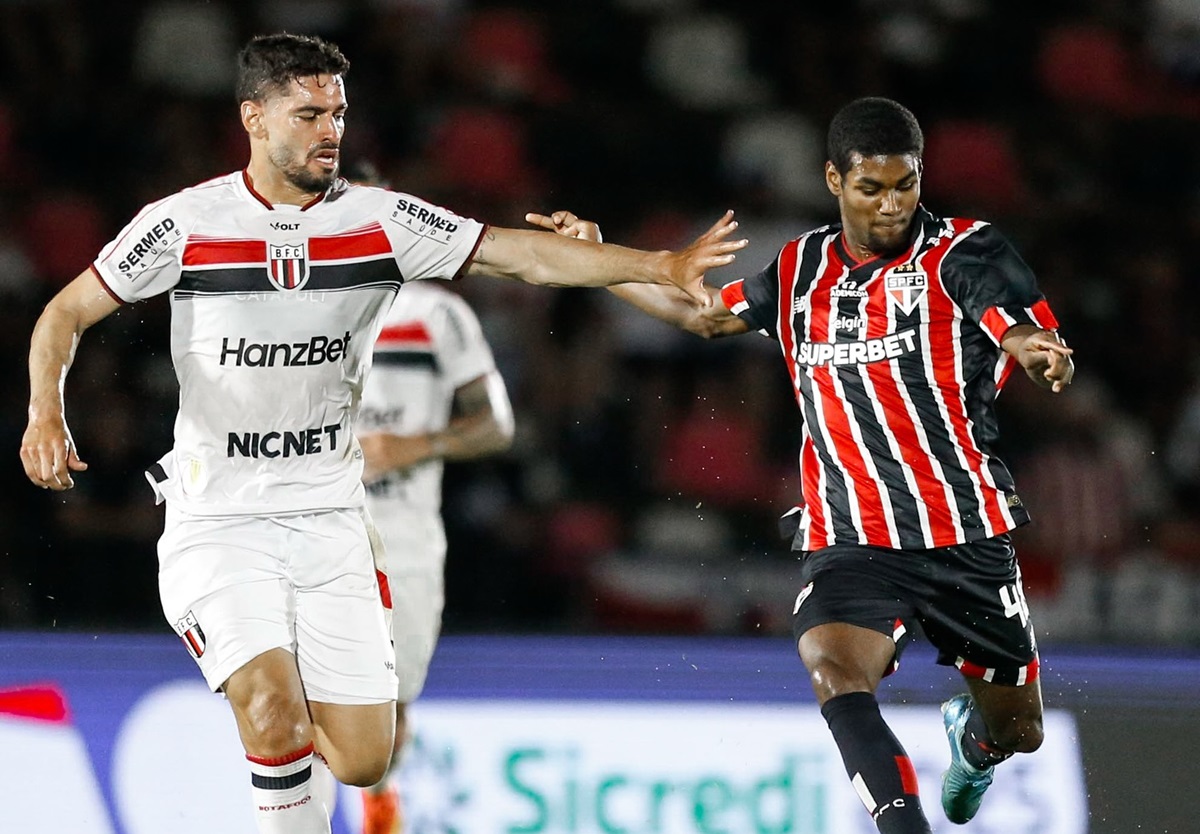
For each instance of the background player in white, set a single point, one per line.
(434, 394)
(279, 276)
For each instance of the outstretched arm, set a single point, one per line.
(47, 450)
(563, 261)
(1042, 353)
(482, 425)
(668, 303)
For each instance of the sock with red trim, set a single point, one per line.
(880, 770)
(283, 800)
(978, 748)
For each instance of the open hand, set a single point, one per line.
(709, 251)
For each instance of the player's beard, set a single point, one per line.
(890, 245)
(299, 174)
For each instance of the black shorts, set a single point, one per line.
(967, 599)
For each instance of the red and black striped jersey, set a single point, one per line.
(896, 365)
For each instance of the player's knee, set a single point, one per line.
(364, 769)
(831, 678)
(1021, 735)
(276, 722)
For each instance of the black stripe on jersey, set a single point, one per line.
(895, 486)
(239, 280)
(837, 489)
(938, 432)
(810, 257)
(406, 359)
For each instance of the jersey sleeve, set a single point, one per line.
(144, 259)
(430, 241)
(755, 300)
(463, 352)
(994, 286)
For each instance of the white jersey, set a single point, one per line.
(273, 314)
(431, 345)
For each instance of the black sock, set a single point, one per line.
(978, 748)
(879, 769)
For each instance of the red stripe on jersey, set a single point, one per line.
(1010, 363)
(945, 360)
(837, 422)
(931, 491)
(733, 294)
(408, 333)
(214, 251)
(1044, 316)
(787, 330)
(359, 243)
(810, 467)
(819, 532)
(995, 323)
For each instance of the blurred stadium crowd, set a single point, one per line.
(650, 467)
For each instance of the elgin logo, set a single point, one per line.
(287, 265)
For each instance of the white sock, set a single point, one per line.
(324, 784)
(283, 801)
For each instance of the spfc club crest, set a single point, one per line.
(287, 265)
(905, 286)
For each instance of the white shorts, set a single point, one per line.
(415, 548)
(235, 587)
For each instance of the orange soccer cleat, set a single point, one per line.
(381, 812)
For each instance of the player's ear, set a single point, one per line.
(252, 119)
(833, 180)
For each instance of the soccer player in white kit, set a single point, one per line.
(434, 394)
(279, 276)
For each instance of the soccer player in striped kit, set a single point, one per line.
(898, 328)
(279, 276)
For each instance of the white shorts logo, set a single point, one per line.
(800, 597)
(192, 635)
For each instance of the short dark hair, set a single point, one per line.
(269, 63)
(873, 126)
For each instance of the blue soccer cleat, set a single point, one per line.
(963, 785)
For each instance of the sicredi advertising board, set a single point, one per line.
(135, 744)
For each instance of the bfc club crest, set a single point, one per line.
(287, 265)
(905, 286)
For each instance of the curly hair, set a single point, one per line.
(269, 63)
(873, 126)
